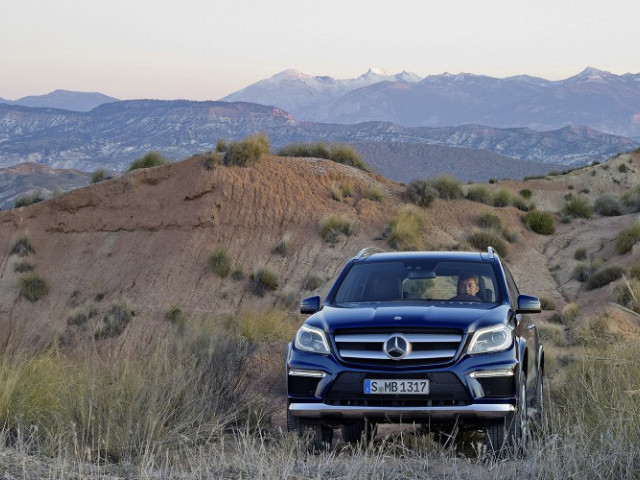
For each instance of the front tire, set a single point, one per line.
(363, 431)
(509, 438)
(317, 437)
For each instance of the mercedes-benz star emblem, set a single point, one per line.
(397, 347)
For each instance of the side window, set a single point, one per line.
(513, 288)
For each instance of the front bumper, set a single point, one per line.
(480, 412)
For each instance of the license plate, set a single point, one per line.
(396, 387)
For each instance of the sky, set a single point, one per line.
(206, 49)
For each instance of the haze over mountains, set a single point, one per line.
(600, 100)
(64, 99)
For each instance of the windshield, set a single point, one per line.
(410, 281)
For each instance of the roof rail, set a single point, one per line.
(366, 252)
(490, 251)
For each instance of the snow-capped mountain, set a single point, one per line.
(595, 98)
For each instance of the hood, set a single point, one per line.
(466, 318)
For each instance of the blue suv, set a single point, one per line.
(441, 339)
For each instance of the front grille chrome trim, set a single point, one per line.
(419, 355)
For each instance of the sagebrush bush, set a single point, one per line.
(23, 267)
(98, 176)
(421, 193)
(521, 204)
(489, 220)
(631, 199)
(311, 282)
(82, 315)
(347, 155)
(263, 280)
(577, 207)
(175, 316)
(219, 262)
(627, 294)
(627, 238)
(482, 239)
(448, 187)
(33, 287)
(480, 194)
(580, 254)
(335, 225)
(582, 271)
(374, 194)
(604, 276)
(29, 199)
(607, 205)
(114, 321)
(539, 222)
(151, 159)
(248, 151)
(22, 246)
(501, 198)
(405, 230)
(526, 193)
(337, 152)
(283, 246)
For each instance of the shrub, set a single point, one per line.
(501, 198)
(114, 321)
(175, 316)
(526, 193)
(604, 276)
(151, 159)
(23, 267)
(448, 187)
(98, 176)
(480, 194)
(547, 304)
(221, 145)
(247, 152)
(81, 315)
(582, 271)
(482, 239)
(237, 274)
(421, 193)
(374, 194)
(219, 262)
(337, 152)
(580, 254)
(631, 199)
(539, 222)
(309, 150)
(33, 287)
(312, 282)
(22, 246)
(405, 230)
(282, 248)
(634, 272)
(627, 294)
(262, 281)
(570, 313)
(622, 168)
(332, 226)
(521, 204)
(347, 155)
(261, 327)
(627, 238)
(577, 207)
(608, 205)
(25, 200)
(489, 221)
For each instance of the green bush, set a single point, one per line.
(421, 193)
(526, 193)
(25, 200)
(448, 187)
(312, 282)
(374, 194)
(262, 281)
(607, 205)
(337, 152)
(521, 204)
(248, 151)
(480, 194)
(582, 271)
(622, 168)
(577, 207)
(151, 159)
(334, 225)
(604, 276)
(627, 238)
(23, 267)
(539, 222)
(501, 198)
(175, 316)
(282, 248)
(219, 262)
(221, 145)
(634, 272)
(580, 254)
(405, 230)
(98, 176)
(81, 315)
(631, 199)
(489, 221)
(482, 239)
(22, 246)
(33, 287)
(114, 321)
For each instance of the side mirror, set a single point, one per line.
(310, 304)
(528, 304)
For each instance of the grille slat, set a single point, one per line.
(428, 346)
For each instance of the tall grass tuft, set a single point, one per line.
(151, 159)
(114, 321)
(335, 225)
(482, 239)
(627, 238)
(405, 230)
(33, 287)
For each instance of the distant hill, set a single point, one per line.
(597, 99)
(65, 100)
(113, 135)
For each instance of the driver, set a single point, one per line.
(468, 284)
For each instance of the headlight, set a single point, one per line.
(311, 339)
(491, 339)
